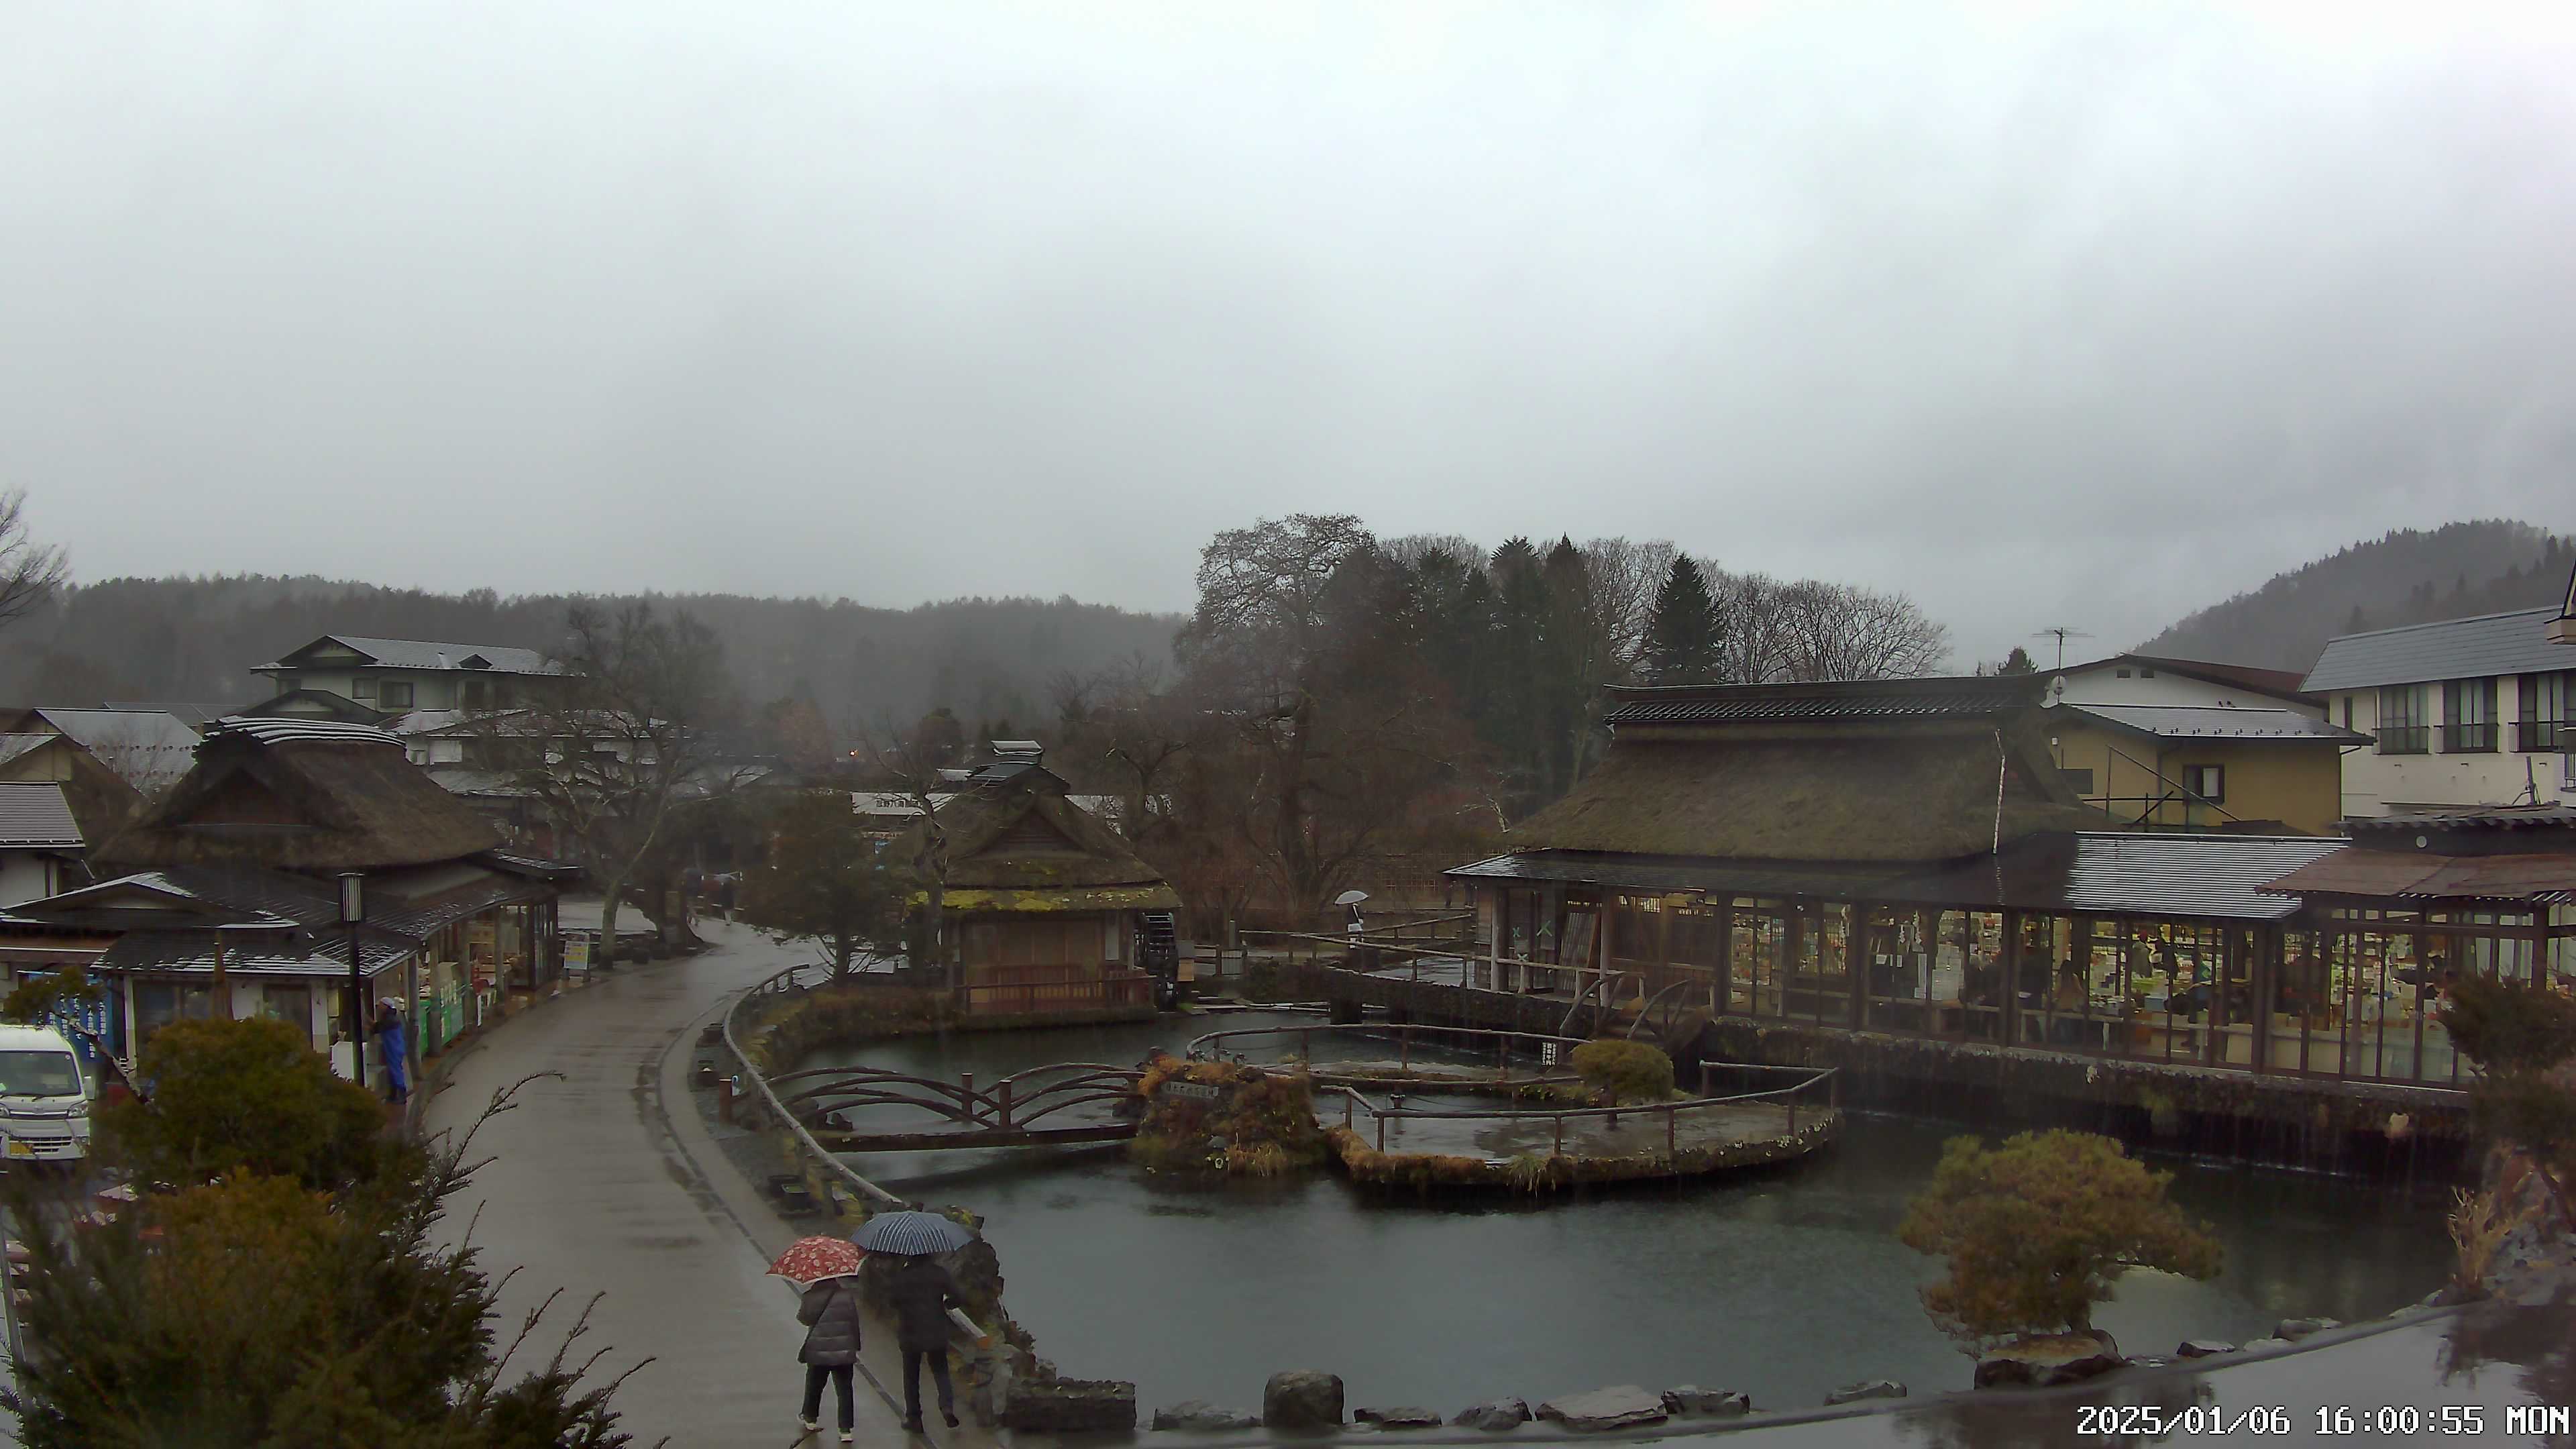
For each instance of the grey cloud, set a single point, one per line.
(2087, 319)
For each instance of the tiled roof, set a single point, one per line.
(147, 748)
(2515, 643)
(2145, 873)
(1855, 699)
(2211, 722)
(426, 654)
(37, 817)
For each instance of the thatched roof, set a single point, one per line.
(1024, 836)
(308, 797)
(1836, 790)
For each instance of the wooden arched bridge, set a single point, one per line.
(1006, 1114)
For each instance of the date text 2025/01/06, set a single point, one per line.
(2131, 1421)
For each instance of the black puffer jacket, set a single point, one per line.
(830, 1314)
(920, 1292)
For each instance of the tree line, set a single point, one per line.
(1340, 706)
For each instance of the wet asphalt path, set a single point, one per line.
(592, 1189)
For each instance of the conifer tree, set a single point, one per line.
(1683, 643)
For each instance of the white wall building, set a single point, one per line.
(2463, 712)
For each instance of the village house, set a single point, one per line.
(2460, 714)
(371, 681)
(1046, 908)
(226, 897)
(2177, 744)
(108, 761)
(1873, 862)
(41, 846)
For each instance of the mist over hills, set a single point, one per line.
(2407, 576)
(195, 640)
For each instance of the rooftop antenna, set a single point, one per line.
(2061, 633)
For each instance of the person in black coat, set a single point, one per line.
(830, 1314)
(921, 1293)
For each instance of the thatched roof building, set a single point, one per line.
(1022, 844)
(305, 796)
(1862, 772)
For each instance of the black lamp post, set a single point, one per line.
(353, 910)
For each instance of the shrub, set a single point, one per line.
(249, 1096)
(2037, 1231)
(2523, 1039)
(256, 1310)
(1626, 1071)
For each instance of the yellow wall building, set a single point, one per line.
(2184, 767)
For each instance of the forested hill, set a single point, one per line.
(195, 639)
(2406, 577)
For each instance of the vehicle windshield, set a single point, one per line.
(39, 1074)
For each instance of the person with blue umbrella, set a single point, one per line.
(920, 1292)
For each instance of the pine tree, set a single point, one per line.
(1682, 643)
(2017, 662)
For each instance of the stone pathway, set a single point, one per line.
(607, 1182)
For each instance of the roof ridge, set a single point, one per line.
(2551, 610)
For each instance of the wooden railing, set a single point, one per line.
(1809, 1080)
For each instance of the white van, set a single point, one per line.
(44, 1097)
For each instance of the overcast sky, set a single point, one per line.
(2083, 318)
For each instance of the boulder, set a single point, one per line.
(2045, 1360)
(1866, 1389)
(2203, 1348)
(1690, 1400)
(1402, 1417)
(1302, 1399)
(1069, 1406)
(2295, 1329)
(1624, 1407)
(1495, 1417)
(1200, 1416)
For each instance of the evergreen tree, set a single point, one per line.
(1683, 643)
(2017, 662)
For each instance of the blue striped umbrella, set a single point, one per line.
(907, 1234)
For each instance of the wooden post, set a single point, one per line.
(1793, 1114)
(1002, 1098)
(1346, 1107)
(1859, 959)
(1404, 1047)
(1703, 1077)
(967, 1079)
(1381, 1128)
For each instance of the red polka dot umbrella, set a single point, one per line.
(808, 1261)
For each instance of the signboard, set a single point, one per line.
(576, 955)
(1190, 1091)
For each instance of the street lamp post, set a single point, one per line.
(353, 911)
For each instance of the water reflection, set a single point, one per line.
(1785, 1283)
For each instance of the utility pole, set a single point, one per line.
(2061, 633)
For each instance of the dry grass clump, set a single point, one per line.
(2480, 1222)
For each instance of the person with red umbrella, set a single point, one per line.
(827, 1269)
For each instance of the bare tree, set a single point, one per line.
(1407, 551)
(1842, 631)
(30, 572)
(1625, 576)
(616, 758)
(1757, 647)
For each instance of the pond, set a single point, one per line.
(1786, 1284)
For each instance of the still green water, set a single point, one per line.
(1784, 1284)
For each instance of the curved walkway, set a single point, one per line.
(597, 1187)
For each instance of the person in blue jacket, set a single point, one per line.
(389, 1041)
